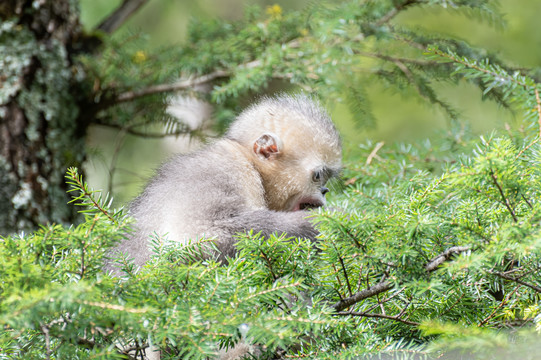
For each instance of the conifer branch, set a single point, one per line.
(76, 181)
(45, 331)
(517, 280)
(538, 110)
(176, 86)
(345, 272)
(182, 84)
(394, 11)
(120, 15)
(535, 141)
(382, 316)
(269, 264)
(502, 304)
(384, 285)
(379, 288)
(132, 131)
(446, 255)
(473, 65)
(505, 199)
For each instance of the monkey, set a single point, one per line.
(265, 174)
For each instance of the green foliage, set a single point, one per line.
(431, 249)
(56, 301)
(330, 49)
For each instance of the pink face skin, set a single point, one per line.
(308, 202)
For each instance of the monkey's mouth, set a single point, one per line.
(308, 204)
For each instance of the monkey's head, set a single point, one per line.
(295, 147)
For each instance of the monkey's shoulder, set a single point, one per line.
(206, 179)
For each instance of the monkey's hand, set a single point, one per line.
(267, 222)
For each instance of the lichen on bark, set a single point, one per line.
(40, 135)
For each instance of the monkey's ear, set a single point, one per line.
(267, 146)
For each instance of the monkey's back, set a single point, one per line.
(190, 193)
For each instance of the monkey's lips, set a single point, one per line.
(308, 203)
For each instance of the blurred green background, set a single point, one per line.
(122, 164)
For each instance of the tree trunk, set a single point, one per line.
(41, 131)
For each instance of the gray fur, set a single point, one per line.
(225, 188)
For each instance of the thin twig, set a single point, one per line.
(120, 15)
(452, 306)
(517, 280)
(112, 166)
(538, 109)
(393, 59)
(384, 285)
(441, 258)
(374, 315)
(45, 331)
(526, 200)
(505, 199)
(380, 287)
(378, 146)
(269, 264)
(393, 12)
(337, 277)
(478, 68)
(130, 130)
(535, 141)
(345, 230)
(499, 307)
(78, 180)
(178, 85)
(345, 271)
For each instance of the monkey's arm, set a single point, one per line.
(265, 221)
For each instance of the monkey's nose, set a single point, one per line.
(324, 190)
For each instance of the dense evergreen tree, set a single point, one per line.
(433, 249)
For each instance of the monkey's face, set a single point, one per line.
(294, 146)
(295, 174)
(312, 195)
(305, 188)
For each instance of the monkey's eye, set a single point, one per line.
(317, 175)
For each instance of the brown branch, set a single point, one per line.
(269, 263)
(132, 131)
(399, 59)
(452, 306)
(178, 85)
(45, 331)
(344, 271)
(394, 11)
(384, 285)
(526, 200)
(181, 84)
(120, 15)
(337, 279)
(379, 288)
(528, 146)
(77, 179)
(504, 198)
(374, 315)
(498, 307)
(444, 256)
(517, 280)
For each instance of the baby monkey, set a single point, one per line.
(263, 175)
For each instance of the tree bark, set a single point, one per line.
(41, 129)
